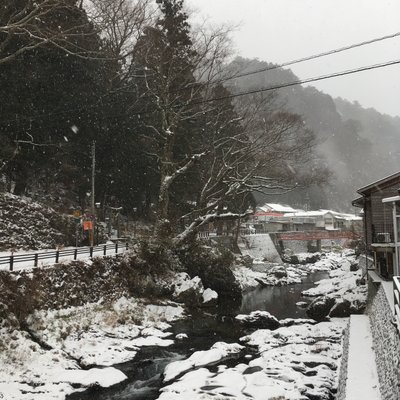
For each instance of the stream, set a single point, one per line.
(203, 328)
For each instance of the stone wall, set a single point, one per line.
(386, 342)
(341, 393)
(297, 246)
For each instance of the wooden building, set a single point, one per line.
(379, 234)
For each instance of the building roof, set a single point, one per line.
(321, 213)
(378, 184)
(345, 216)
(279, 208)
(358, 202)
(318, 213)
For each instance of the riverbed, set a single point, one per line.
(203, 329)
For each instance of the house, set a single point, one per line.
(276, 208)
(380, 201)
(270, 218)
(312, 220)
(278, 218)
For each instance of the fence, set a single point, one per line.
(396, 295)
(33, 259)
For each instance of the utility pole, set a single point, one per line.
(93, 194)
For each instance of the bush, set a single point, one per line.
(213, 266)
(158, 257)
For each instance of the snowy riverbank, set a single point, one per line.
(68, 340)
(293, 359)
(295, 362)
(63, 350)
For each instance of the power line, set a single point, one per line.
(269, 68)
(255, 91)
(265, 69)
(296, 61)
(308, 58)
(288, 84)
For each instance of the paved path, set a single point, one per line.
(362, 376)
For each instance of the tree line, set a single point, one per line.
(172, 143)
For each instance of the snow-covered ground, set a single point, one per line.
(293, 362)
(286, 274)
(342, 283)
(298, 360)
(91, 335)
(290, 361)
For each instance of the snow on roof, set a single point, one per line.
(291, 212)
(307, 214)
(278, 208)
(345, 216)
(321, 213)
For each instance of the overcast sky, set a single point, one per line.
(282, 30)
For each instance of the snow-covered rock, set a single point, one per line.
(187, 290)
(319, 308)
(294, 363)
(181, 336)
(219, 351)
(210, 297)
(104, 377)
(339, 295)
(258, 320)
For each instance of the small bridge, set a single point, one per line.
(317, 235)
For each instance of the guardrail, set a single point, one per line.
(33, 259)
(396, 295)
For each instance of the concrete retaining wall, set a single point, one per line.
(341, 393)
(386, 341)
(259, 246)
(297, 246)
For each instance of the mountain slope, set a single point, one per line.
(358, 145)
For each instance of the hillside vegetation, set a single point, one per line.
(25, 224)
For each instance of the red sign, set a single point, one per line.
(87, 225)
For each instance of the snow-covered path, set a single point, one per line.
(362, 377)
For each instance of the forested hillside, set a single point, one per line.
(128, 97)
(156, 100)
(357, 145)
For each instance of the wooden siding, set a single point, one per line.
(379, 215)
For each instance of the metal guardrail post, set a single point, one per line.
(57, 256)
(75, 253)
(126, 246)
(36, 262)
(116, 247)
(104, 249)
(11, 262)
(91, 252)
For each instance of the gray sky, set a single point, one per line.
(282, 30)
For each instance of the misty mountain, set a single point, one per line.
(358, 145)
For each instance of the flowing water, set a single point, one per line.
(203, 329)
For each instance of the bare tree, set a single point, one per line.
(176, 69)
(121, 23)
(28, 24)
(193, 130)
(243, 162)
